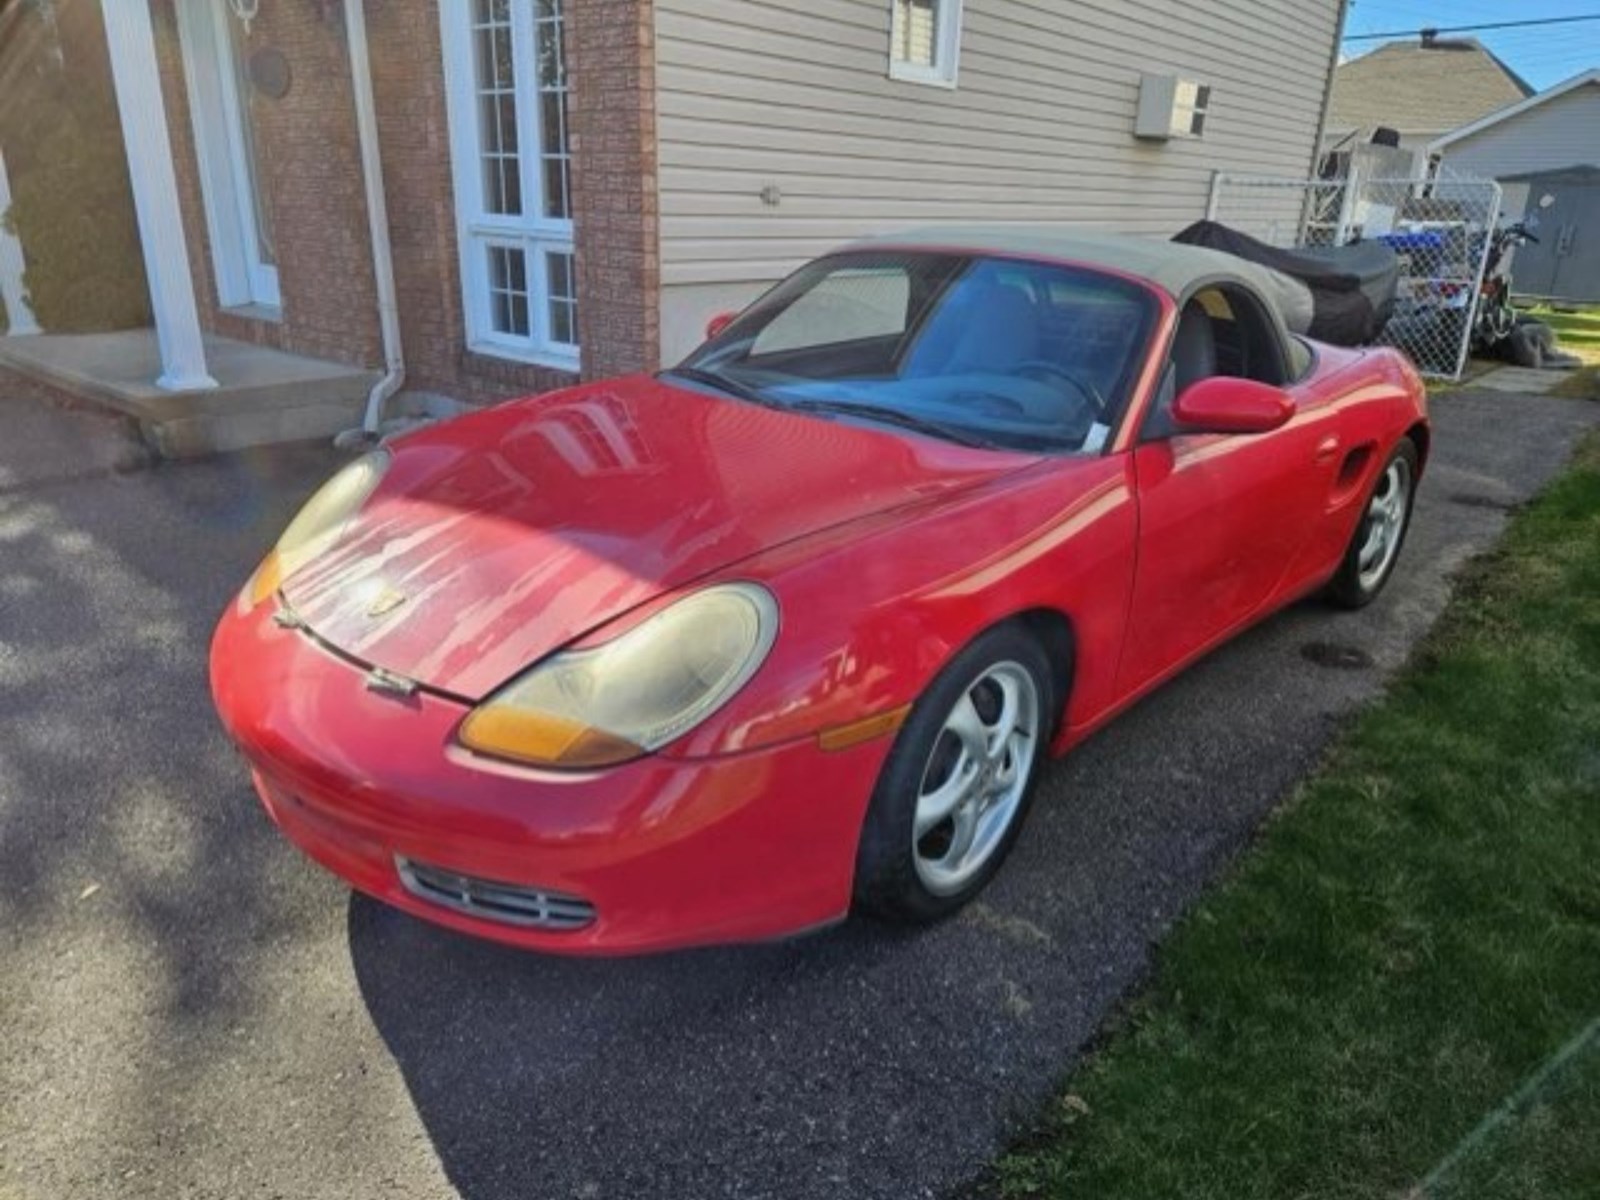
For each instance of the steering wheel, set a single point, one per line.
(1042, 370)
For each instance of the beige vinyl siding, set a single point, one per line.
(795, 95)
(1561, 132)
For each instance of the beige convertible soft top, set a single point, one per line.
(1171, 266)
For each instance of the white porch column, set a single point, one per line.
(155, 194)
(18, 311)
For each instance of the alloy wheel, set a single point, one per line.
(1384, 524)
(975, 777)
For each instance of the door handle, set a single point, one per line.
(1327, 448)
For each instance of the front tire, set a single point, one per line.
(1375, 549)
(953, 794)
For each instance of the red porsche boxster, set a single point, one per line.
(785, 631)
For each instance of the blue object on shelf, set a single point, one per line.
(1426, 239)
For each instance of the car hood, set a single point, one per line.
(499, 537)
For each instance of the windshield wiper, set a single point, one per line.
(732, 387)
(892, 416)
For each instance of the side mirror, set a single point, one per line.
(718, 323)
(1225, 405)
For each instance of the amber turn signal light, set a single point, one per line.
(842, 737)
(264, 584)
(543, 739)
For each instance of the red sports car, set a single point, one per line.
(786, 631)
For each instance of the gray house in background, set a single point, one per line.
(1545, 151)
(1422, 90)
(1557, 128)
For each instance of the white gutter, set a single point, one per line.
(355, 20)
(13, 266)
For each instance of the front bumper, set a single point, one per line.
(670, 852)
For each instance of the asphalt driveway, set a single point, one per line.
(188, 1008)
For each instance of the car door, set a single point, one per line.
(1222, 517)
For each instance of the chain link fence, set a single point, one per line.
(1441, 229)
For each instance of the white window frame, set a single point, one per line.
(227, 177)
(946, 49)
(477, 229)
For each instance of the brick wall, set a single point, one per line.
(311, 173)
(312, 162)
(611, 55)
(414, 135)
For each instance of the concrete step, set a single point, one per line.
(264, 396)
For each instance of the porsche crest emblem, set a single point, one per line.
(386, 602)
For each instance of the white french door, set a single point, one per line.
(224, 107)
(506, 89)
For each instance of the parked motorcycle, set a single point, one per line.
(1499, 330)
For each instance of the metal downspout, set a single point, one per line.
(378, 222)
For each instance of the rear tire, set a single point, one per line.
(1527, 345)
(1374, 549)
(953, 795)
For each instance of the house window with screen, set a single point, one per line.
(924, 39)
(507, 86)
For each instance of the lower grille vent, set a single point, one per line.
(508, 903)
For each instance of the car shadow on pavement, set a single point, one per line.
(663, 1075)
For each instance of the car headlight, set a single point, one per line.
(319, 524)
(621, 700)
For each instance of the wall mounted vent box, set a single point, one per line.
(1170, 107)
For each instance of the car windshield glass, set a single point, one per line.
(996, 352)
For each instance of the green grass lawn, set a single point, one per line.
(1578, 329)
(1548, 1147)
(1414, 935)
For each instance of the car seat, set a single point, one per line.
(1194, 348)
(993, 328)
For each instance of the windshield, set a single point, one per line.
(994, 352)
